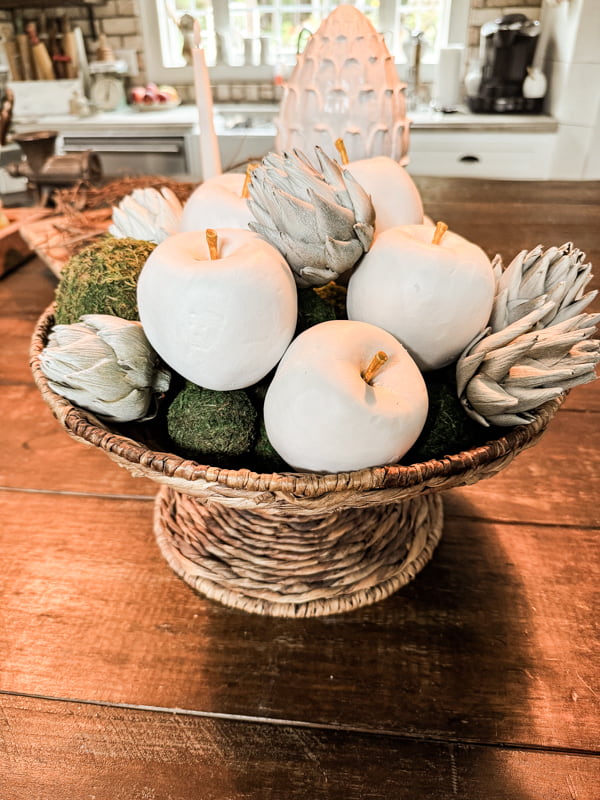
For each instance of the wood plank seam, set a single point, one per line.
(316, 726)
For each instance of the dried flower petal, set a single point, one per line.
(539, 341)
(147, 214)
(321, 221)
(106, 365)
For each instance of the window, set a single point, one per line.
(254, 33)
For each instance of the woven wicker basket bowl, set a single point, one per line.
(292, 544)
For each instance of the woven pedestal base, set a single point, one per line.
(277, 563)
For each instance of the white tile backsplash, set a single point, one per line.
(565, 21)
(557, 73)
(587, 43)
(579, 98)
(571, 152)
(591, 167)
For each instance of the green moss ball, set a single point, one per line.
(213, 424)
(267, 459)
(258, 391)
(336, 296)
(102, 279)
(448, 428)
(312, 309)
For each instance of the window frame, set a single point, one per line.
(454, 32)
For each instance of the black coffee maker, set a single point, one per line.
(507, 47)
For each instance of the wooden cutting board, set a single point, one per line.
(14, 246)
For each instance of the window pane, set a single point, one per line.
(267, 24)
(174, 18)
(287, 23)
(422, 16)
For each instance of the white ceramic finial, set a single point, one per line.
(344, 85)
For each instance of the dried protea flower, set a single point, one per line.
(321, 221)
(503, 377)
(147, 214)
(558, 273)
(106, 365)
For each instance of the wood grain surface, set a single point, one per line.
(113, 753)
(425, 661)
(477, 680)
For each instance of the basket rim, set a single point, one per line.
(84, 425)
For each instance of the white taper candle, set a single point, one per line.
(209, 144)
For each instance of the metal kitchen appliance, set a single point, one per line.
(507, 47)
(46, 171)
(6, 105)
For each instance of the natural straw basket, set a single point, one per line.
(292, 544)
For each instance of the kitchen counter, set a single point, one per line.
(466, 121)
(115, 123)
(185, 117)
(460, 144)
(479, 679)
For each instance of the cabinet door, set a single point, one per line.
(121, 156)
(517, 156)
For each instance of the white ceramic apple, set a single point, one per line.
(222, 319)
(322, 415)
(434, 297)
(393, 192)
(219, 202)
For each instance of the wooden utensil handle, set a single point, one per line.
(25, 56)
(70, 49)
(14, 62)
(43, 62)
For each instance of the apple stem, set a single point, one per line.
(341, 148)
(249, 170)
(375, 365)
(440, 230)
(212, 242)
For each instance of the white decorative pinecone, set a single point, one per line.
(539, 341)
(321, 221)
(345, 86)
(558, 273)
(147, 214)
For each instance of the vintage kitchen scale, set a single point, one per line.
(107, 91)
(107, 75)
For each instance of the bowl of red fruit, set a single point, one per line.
(153, 97)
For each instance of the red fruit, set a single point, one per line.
(137, 94)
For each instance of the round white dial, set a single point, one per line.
(107, 92)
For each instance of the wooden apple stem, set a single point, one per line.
(249, 170)
(341, 148)
(212, 240)
(440, 230)
(375, 365)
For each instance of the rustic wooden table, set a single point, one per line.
(478, 681)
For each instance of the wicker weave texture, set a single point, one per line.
(281, 564)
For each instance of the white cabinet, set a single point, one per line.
(516, 155)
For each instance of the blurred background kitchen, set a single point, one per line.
(494, 90)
